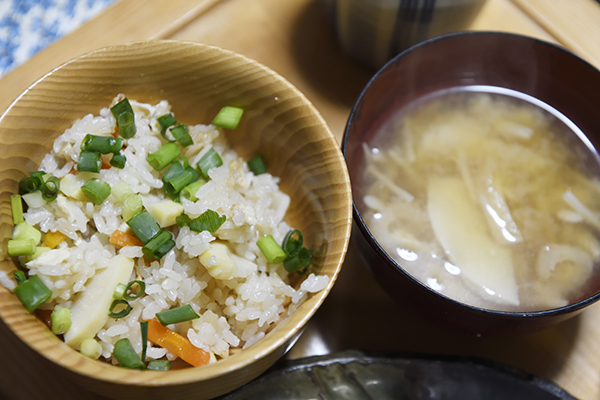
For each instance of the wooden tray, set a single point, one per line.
(295, 38)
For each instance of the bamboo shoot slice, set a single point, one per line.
(461, 229)
(90, 310)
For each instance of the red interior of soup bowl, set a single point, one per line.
(539, 69)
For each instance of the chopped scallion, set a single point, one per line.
(31, 183)
(101, 144)
(209, 220)
(89, 161)
(50, 188)
(119, 309)
(23, 247)
(295, 264)
(126, 355)
(61, 320)
(144, 331)
(132, 206)
(176, 315)
(209, 160)
(141, 289)
(257, 165)
(144, 226)
(173, 184)
(182, 135)
(158, 246)
(91, 348)
(182, 220)
(164, 156)
(24, 231)
(271, 250)
(96, 190)
(159, 365)
(165, 121)
(189, 192)
(228, 117)
(16, 206)
(119, 291)
(125, 117)
(32, 293)
(121, 191)
(20, 276)
(118, 160)
(292, 245)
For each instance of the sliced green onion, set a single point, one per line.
(50, 188)
(228, 117)
(141, 290)
(144, 226)
(257, 165)
(101, 144)
(24, 231)
(165, 121)
(20, 276)
(30, 184)
(177, 315)
(89, 161)
(159, 365)
(118, 304)
(132, 206)
(294, 264)
(189, 192)
(119, 291)
(61, 320)
(208, 161)
(118, 160)
(32, 293)
(271, 250)
(183, 220)
(158, 246)
(23, 247)
(96, 190)
(292, 245)
(182, 135)
(16, 206)
(91, 348)
(121, 191)
(209, 220)
(184, 161)
(164, 156)
(174, 184)
(144, 331)
(126, 355)
(125, 117)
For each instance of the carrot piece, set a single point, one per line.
(122, 239)
(176, 344)
(53, 239)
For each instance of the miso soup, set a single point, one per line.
(488, 197)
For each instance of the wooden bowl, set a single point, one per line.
(197, 80)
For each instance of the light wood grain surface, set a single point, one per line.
(294, 37)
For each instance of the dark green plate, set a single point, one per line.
(357, 376)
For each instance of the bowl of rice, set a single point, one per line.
(173, 214)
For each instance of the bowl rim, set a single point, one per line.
(370, 238)
(92, 369)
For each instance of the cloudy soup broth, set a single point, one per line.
(487, 196)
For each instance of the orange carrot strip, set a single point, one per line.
(176, 344)
(122, 239)
(53, 239)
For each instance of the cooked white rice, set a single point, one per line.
(234, 313)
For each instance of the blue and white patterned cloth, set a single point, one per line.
(27, 26)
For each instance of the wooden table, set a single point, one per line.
(294, 37)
